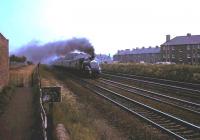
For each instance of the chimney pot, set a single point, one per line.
(167, 38)
(188, 34)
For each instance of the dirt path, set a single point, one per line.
(16, 122)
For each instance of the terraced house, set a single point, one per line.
(181, 49)
(147, 55)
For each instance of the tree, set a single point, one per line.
(14, 58)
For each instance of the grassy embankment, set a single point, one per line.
(18, 77)
(88, 117)
(186, 73)
(74, 115)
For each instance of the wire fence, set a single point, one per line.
(37, 78)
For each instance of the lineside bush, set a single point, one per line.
(185, 73)
(5, 96)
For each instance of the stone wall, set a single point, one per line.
(4, 61)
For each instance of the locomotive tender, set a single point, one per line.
(80, 62)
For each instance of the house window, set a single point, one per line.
(173, 48)
(173, 56)
(188, 47)
(188, 56)
(168, 48)
(180, 50)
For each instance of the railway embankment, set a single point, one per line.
(79, 118)
(88, 116)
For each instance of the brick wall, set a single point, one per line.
(181, 54)
(4, 61)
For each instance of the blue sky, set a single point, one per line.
(110, 25)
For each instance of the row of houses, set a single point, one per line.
(179, 50)
(148, 55)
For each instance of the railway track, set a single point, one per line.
(192, 94)
(183, 104)
(173, 126)
(194, 86)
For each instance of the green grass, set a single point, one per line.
(69, 113)
(76, 122)
(5, 97)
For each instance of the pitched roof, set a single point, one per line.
(141, 51)
(183, 40)
(1, 36)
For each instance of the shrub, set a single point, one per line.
(187, 73)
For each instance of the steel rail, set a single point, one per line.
(172, 82)
(173, 126)
(183, 104)
(194, 92)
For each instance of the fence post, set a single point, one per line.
(42, 111)
(50, 122)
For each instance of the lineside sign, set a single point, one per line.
(51, 94)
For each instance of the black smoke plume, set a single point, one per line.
(40, 53)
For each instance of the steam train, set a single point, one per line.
(81, 63)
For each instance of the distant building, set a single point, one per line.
(103, 58)
(4, 61)
(146, 55)
(181, 49)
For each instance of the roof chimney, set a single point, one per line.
(167, 38)
(188, 34)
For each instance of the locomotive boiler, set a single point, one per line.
(80, 62)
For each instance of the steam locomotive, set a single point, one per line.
(80, 62)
